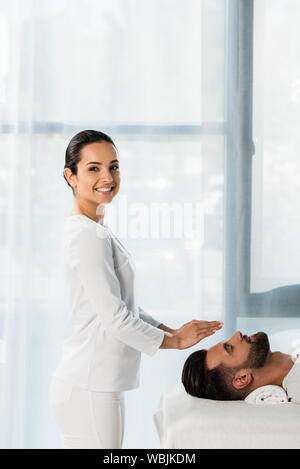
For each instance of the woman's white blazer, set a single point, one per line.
(103, 352)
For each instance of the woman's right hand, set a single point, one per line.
(192, 332)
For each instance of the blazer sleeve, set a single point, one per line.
(148, 318)
(91, 257)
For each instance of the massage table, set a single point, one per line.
(186, 422)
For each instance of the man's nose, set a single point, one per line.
(237, 337)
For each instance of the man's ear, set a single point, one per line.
(242, 378)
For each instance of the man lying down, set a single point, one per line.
(232, 369)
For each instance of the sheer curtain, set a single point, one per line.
(272, 299)
(173, 86)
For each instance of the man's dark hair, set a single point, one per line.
(76, 144)
(215, 384)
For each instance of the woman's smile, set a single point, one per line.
(105, 190)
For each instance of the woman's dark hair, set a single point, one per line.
(76, 144)
(215, 384)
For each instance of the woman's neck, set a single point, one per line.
(94, 213)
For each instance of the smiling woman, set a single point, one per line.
(101, 358)
(92, 171)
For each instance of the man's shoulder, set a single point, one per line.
(293, 374)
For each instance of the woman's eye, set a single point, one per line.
(92, 168)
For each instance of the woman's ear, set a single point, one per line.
(69, 176)
(242, 378)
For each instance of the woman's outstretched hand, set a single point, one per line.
(192, 332)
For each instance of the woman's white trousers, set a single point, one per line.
(87, 419)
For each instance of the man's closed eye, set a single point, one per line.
(228, 348)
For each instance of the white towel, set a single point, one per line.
(269, 394)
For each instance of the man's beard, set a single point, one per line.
(259, 351)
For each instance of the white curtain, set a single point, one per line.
(276, 214)
(155, 76)
(274, 292)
